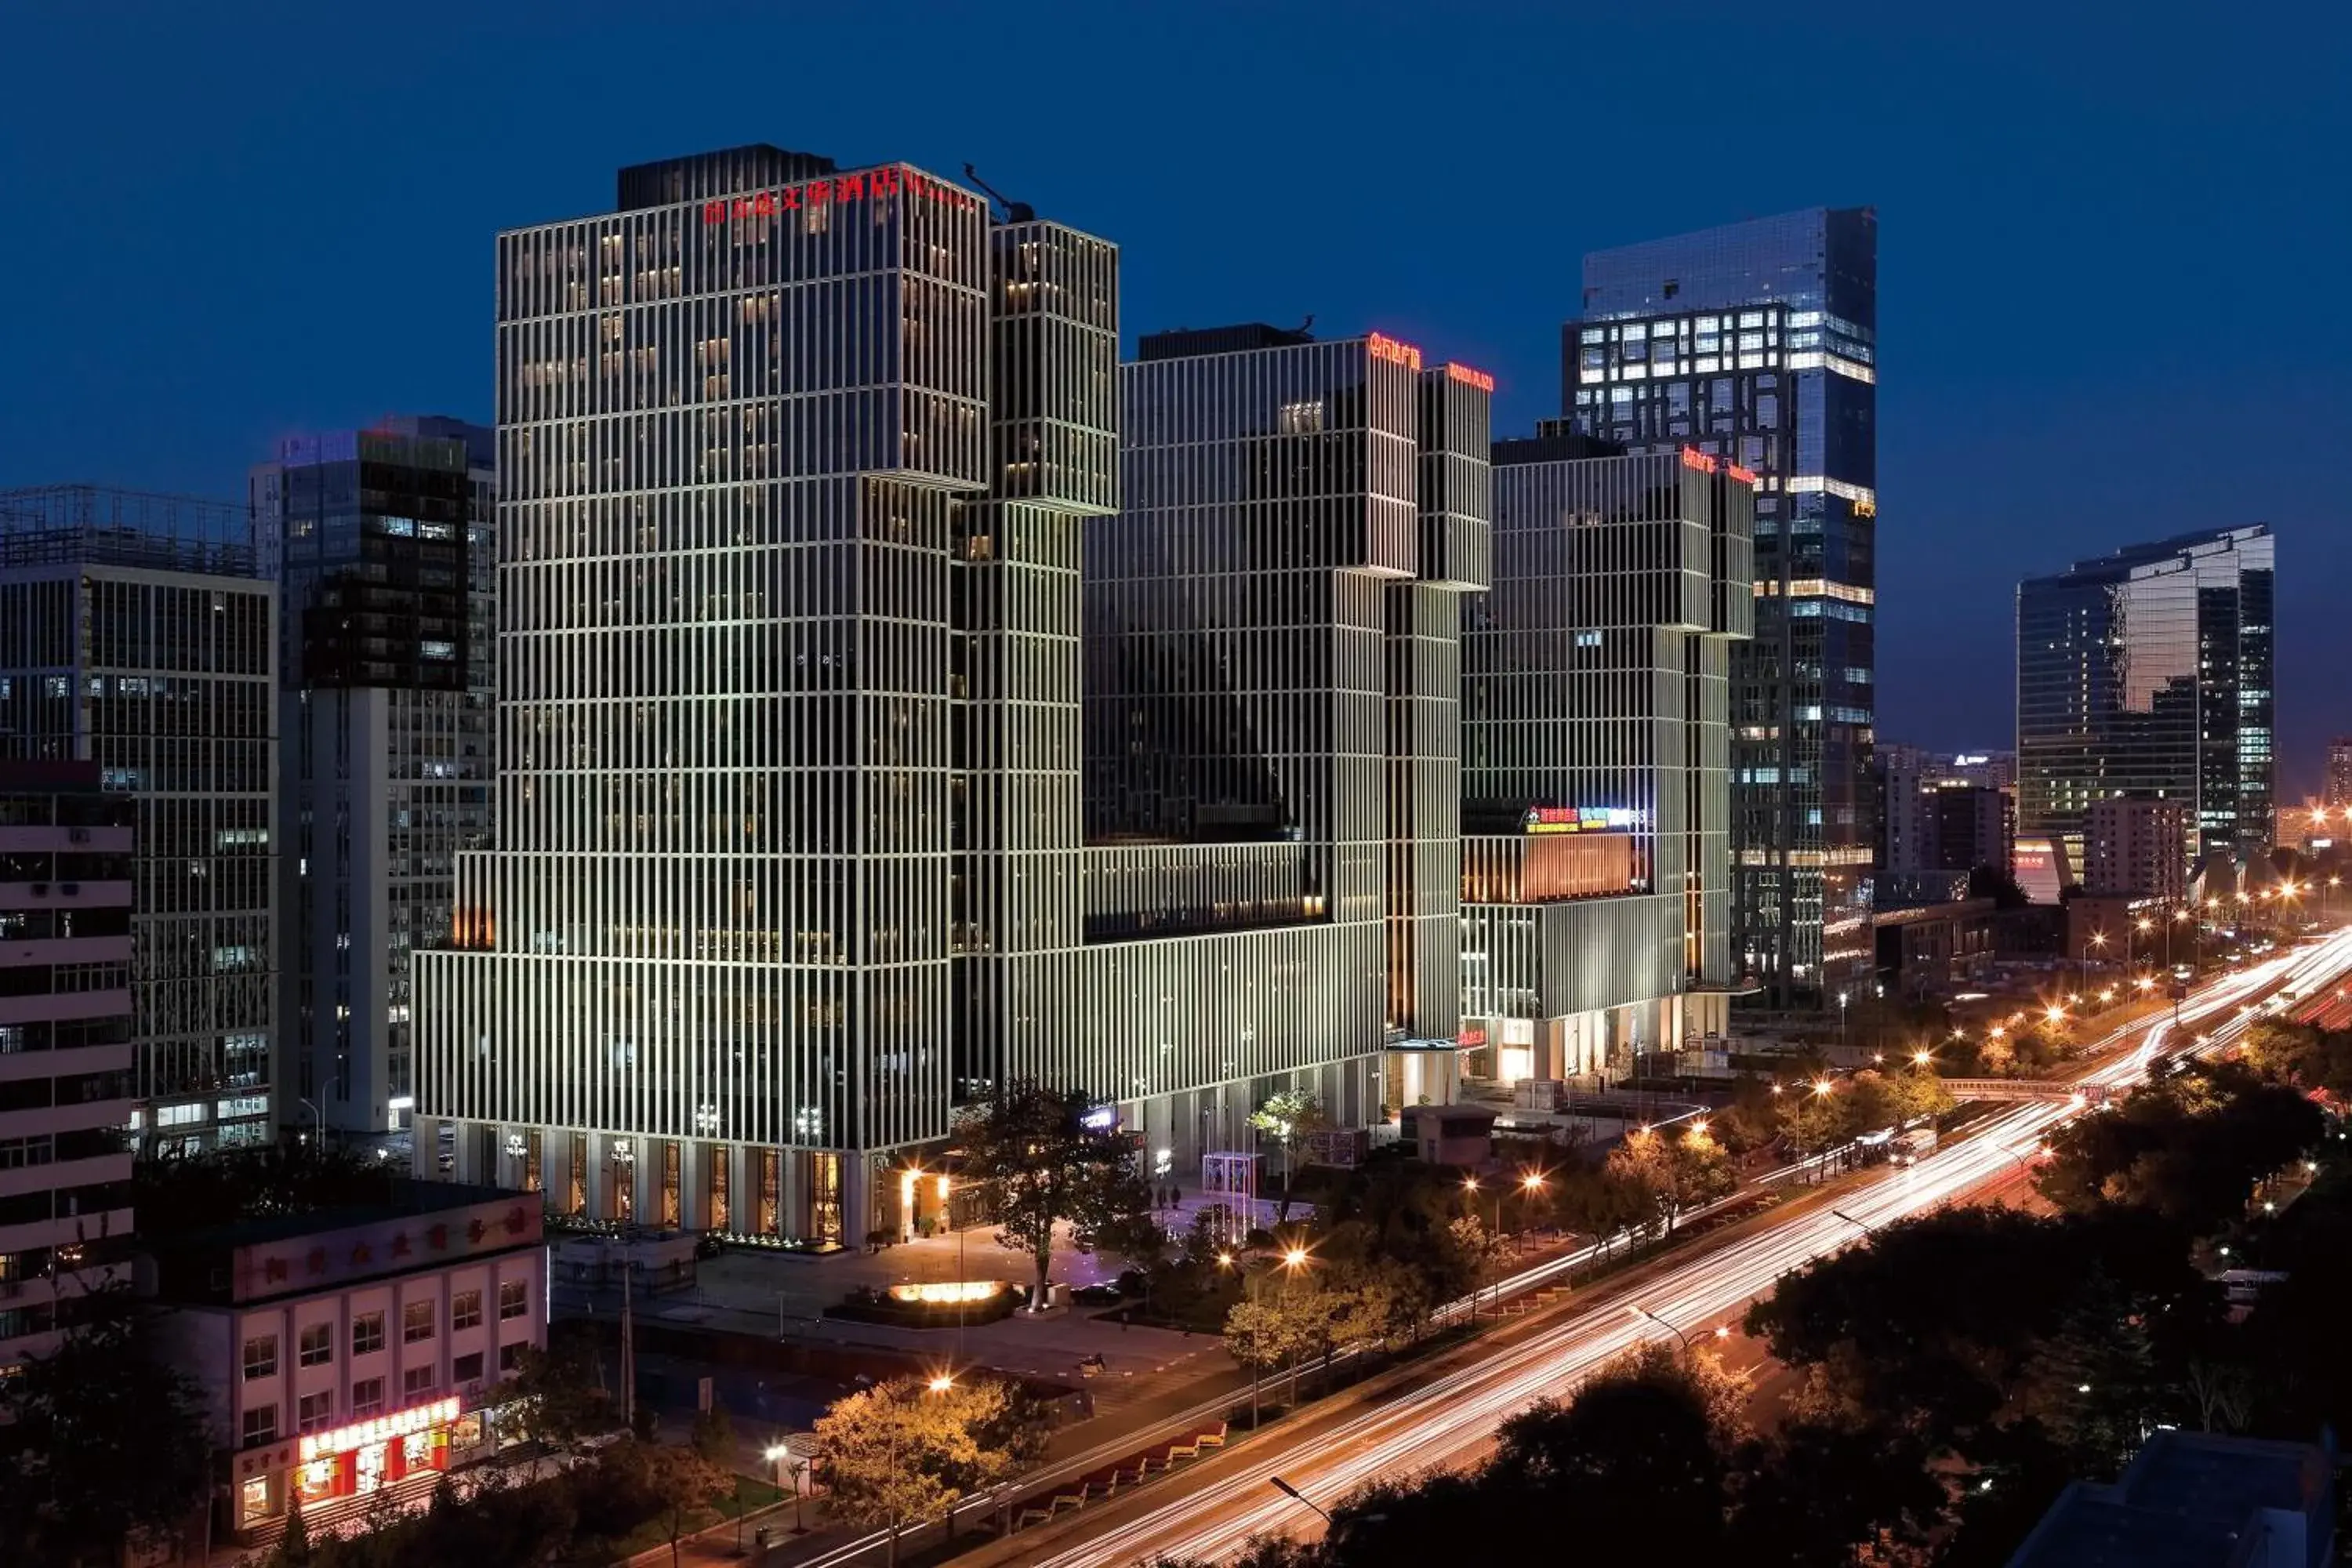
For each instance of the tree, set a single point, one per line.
(2189, 1147)
(1816, 1492)
(1042, 1161)
(1290, 1116)
(687, 1480)
(904, 1450)
(293, 1548)
(1671, 1174)
(555, 1397)
(714, 1439)
(108, 1448)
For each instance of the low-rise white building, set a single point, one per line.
(346, 1351)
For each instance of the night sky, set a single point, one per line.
(2113, 266)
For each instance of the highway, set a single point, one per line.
(1213, 1512)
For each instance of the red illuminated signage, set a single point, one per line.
(1395, 352)
(1471, 1038)
(1468, 377)
(1694, 458)
(837, 189)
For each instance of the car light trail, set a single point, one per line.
(1450, 1418)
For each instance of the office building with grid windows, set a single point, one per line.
(2146, 673)
(65, 1045)
(380, 541)
(809, 478)
(135, 633)
(1757, 343)
(1596, 855)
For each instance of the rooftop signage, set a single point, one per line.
(1387, 348)
(1707, 463)
(1468, 377)
(894, 179)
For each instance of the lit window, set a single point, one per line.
(417, 1317)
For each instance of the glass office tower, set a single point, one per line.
(1757, 343)
(380, 540)
(2146, 673)
(1595, 693)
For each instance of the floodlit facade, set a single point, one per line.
(1757, 343)
(808, 479)
(135, 633)
(1595, 846)
(380, 540)
(2146, 673)
(64, 1043)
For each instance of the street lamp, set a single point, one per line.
(1295, 1495)
(1639, 1310)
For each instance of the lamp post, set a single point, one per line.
(2097, 939)
(1470, 1186)
(1841, 1033)
(1689, 1350)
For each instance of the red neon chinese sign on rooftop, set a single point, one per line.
(889, 181)
(1387, 348)
(1705, 463)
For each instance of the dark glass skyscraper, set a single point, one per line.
(1757, 343)
(2146, 673)
(380, 540)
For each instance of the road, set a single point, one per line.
(1213, 1510)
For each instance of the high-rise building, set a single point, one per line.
(2137, 847)
(2338, 794)
(380, 541)
(65, 1041)
(2147, 673)
(804, 832)
(135, 633)
(1756, 343)
(1595, 849)
(1943, 811)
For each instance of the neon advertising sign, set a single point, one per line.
(1545, 819)
(1468, 377)
(382, 1429)
(1387, 348)
(834, 190)
(1705, 464)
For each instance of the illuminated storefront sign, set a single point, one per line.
(1579, 819)
(1468, 377)
(834, 189)
(382, 1429)
(1395, 352)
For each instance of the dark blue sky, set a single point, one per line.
(2112, 273)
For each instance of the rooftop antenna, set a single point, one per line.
(1014, 212)
(1307, 326)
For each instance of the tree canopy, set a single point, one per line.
(1042, 1160)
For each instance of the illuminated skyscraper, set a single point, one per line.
(1596, 894)
(818, 817)
(1757, 343)
(2146, 673)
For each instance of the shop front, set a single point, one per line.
(338, 1471)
